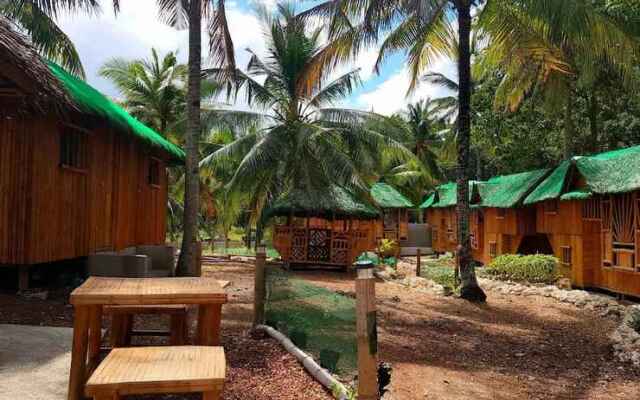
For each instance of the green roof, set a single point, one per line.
(616, 171)
(331, 201)
(446, 195)
(92, 102)
(386, 196)
(508, 191)
(551, 187)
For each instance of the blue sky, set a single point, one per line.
(136, 29)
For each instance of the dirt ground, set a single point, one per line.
(256, 369)
(439, 347)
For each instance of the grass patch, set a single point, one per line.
(536, 268)
(241, 251)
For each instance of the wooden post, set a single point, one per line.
(260, 288)
(366, 330)
(418, 271)
(198, 259)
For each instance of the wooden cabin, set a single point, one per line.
(77, 173)
(589, 208)
(506, 226)
(322, 227)
(395, 207)
(441, 217)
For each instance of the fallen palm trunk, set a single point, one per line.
(320, 374)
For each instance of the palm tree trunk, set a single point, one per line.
(593, 122)
(186, 263)
(469, 289)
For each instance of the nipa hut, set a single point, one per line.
(395, 207)
(503, 224)
(322, 227)
(589, 208)
(77, 173)
(441, 217)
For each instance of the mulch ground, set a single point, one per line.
(257, 369)
(512, 347)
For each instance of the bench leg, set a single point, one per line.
(121, 325)
(212, 395)
(209, 316)
(178, 329)
(95, 337)
(79, 353)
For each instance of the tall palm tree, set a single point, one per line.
(153, 88)
(558, 46)
(38, 19)
(182, 14)
(302, 142)
(422, 29)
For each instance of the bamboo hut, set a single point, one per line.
(589, 208)
(440, 215)
(395, 207)
(77, 173)
(504, 225)
(322, 227)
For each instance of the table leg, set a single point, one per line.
(79, 353)
(209, 318)
(95, 338)
(212, 395)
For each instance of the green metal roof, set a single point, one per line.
(331, 201)
(508, 191)
(92, 102)
(388, 197)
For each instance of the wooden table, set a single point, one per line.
(96, 292)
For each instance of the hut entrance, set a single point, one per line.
(319, 245)
(535, 244)
(619, 221)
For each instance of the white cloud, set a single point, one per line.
(390, 96)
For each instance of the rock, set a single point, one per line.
(564, 283)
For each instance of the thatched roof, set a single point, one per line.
(40, 91)
(616, 171)
(333, 201)
(387, 196)
(44, 87)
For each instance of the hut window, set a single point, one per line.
(73, 148)
(493, 249)
(501, 213)
(154, 172)
(551, 206)
(591, 209)
(566, 255)
(623, 230)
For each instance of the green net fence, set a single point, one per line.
(319, 321)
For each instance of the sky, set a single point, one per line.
(136, 29)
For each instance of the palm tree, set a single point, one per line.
(556, 47)
(38, 19)
(423, 29)
(153, 89)
(189, 13)
(300, 141)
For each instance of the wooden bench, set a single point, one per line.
(159, 370)
(122, 323)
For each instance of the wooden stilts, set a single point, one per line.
(23, 277)
(418, 262)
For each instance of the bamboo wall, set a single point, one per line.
(49, 212)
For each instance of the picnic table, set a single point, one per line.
(97, 292)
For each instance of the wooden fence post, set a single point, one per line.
(198, 259)
(366, 330)
(259, 287)
(418, 270)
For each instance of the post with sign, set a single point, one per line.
(259, 286)
(366, 329)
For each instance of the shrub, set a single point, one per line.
(442, 275)
(329, 359)
(538, 268)
(634, 321)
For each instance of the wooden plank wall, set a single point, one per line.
(15, 176)
(50, 213)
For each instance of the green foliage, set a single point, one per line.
(387, 247)
(537, 268)
(634, 320)
(441, 274)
